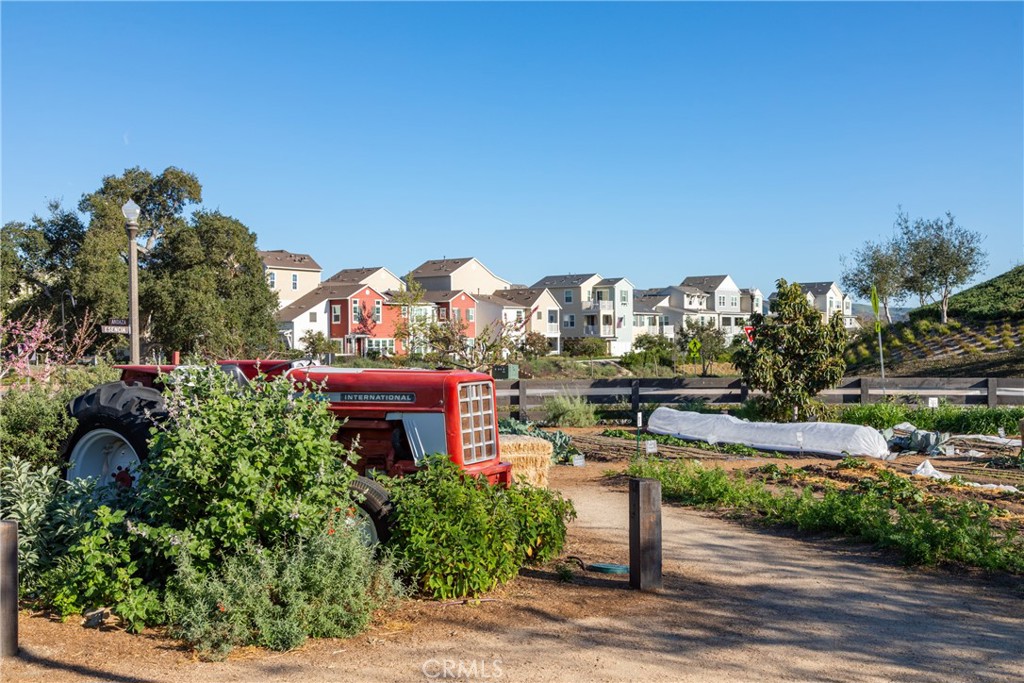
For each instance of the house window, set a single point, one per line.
(272, 280)
(335, 313)
(312, 316)
(442, 314)
(538, 314)
(570, 320)
(357, 313)
(456, 314)
(664, 321)
(734, 301)
(470, 314)
(519, 316)
(623, 297)
(568, 296)
(552, 316)
(721, 301)
(376, 311)
(295, 281)
(384, 347)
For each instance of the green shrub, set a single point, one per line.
(945, 418)
(909, 336)
(460, 536)
(569, 411)
(326, 586)
(588, 347)
(262, 462)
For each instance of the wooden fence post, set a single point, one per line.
(8, 588)
(521, 385)
(865, 390)
(993, 392)
(645, 534)
(635, 395)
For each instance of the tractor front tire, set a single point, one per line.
(373, 509)
(112, 438)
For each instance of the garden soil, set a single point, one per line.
(738, 604)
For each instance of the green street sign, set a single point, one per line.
(874, 301)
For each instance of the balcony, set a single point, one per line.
(553, 329)
(599, 330)
(595, 306)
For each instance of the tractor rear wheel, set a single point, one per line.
(112, 437)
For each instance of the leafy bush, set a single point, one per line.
(569, 411)
(589, 347)
(324, 587)
(34, 422)
(460, 536)
(650, 351)
(561, 443)
(262, 461)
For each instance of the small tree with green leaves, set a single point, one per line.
(317, 345)
(534, 345)
(794, 356)
(712, 342)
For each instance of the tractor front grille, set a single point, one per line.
(479, 433)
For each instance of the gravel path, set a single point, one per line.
(738, 605)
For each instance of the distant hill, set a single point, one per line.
(1001, 298)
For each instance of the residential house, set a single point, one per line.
(455, 306)
(381, 279)
(504, 314)
(465, 274)
(651, 313)
(593, 306)
(726, 305)
(829, 299)
(356, 317)
(543, 312)
(290, 275)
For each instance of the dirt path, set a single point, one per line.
(738, 605)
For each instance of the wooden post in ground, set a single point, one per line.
(993, 392)
(634, 396)
(521, 385)
(8, 588)
(645, 534)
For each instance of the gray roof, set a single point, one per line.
(705, 283)
(279, 258)
(609, 281)
(501, 300)
(816, 288)
(646, 304)
(445, 296)
(522, 296)
(326, 290)
(353, 275)
(654, 291)
(443, 266)
(569, 280)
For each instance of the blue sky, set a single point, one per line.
(651, 141)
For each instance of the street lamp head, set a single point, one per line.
(131, 211)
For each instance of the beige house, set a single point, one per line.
(466, 274)
(593, 306)
(378, 277)
(541, 312)
(290, 275)
(829, 299)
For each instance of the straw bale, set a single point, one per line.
(530, 457)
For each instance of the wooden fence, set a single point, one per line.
(527, 396)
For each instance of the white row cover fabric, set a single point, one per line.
(827, 438)
(926, 469)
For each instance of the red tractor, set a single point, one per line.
(393, 418)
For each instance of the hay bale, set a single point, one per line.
(530, 457)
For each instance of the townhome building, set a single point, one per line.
(651, 314)
(593, 306)
(828, 298)
(458, 274)
(290, 275)
(525, 310)
(378, 277)
(356, 317)
(456, 306)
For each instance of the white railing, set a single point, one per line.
(597, 305)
